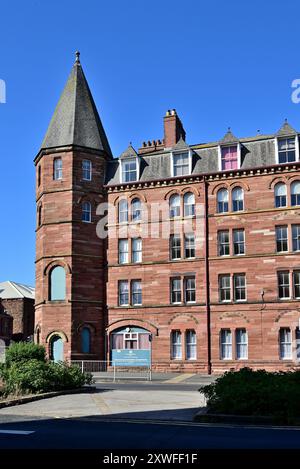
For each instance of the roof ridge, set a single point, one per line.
(15, 287)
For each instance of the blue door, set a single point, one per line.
(57, 349)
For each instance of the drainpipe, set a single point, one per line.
(207, 286)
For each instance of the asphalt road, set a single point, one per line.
(101, 434)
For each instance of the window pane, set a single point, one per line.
(226, 344)
(241, 344)
(224, 288)
(296, 281)
(222, 201)
(87, 170)
(136, 210)
(174, 206)
(239, 281)
(190, 289)
(295, 193)
(296, 237)
(284, 284)
(280, 195)
(286, 150)
(57, 169)
(86, 214)
(175, 247)
(58, 283)
(136, 250)
(123, 251)
(176, 290)
(285, 343)
(136, 291)
(176, 346)
(181, 164)
(123, 211)
(281, 238)
(123, 292)
(238, 242)
(191, 347)
(223, 243)
(237, 199)
(189, 204)
(129, 170)
(189, 245)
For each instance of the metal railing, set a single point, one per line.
(114, 370)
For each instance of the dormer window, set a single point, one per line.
(286, 150)
(129, 170)
(181, 164)
(229, 157)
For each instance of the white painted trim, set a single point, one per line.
(238, 145)
(138, 167)
(177, 152)
(297, 147)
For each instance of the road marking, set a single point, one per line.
(101, 404)
(16, 432)
(180, 378)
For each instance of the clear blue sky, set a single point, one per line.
(218, 63)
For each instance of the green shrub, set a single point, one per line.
(248, 392)
(24, 351)
(26, 371)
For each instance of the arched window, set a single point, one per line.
(222, 198)
(123, 211)
(280, 195)
(237, 199)
(86, 214)
(56, 348)
(85, 340)
(295, 193)
(189, 204)
(136, 210)
(174, 205)
(57, 283)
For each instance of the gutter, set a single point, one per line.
(207, 284)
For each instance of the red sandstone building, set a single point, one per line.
(200, 270)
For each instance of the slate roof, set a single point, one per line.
(76, 120)
(13, 290)
(255, 152)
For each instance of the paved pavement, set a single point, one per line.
(141, 403)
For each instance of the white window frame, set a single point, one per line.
(238, 156)
(180, 290)
(186, 290)
(123, 211)
(283, 343)
(57, 172)
(137, 163)
(87, 171)
(134, 250)
(224, 344)
(283, 298)
(221, 289)
(189, 161)
(125, 253)
(123, 282)
(176, 345)
(89, 212)
(234, 287)
(136, 289)
(190, 346)
(277, 148)
(173, 248)
(240, 343)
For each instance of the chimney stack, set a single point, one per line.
(173, 128)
